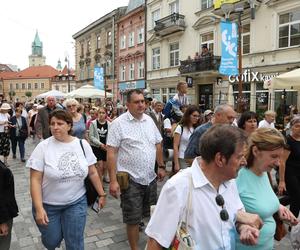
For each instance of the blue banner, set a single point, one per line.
(99, 78)
(228, 64)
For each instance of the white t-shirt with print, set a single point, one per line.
(64, 168)
(184, 139)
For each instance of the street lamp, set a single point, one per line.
(68, 65)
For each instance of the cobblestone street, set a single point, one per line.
(103, 231)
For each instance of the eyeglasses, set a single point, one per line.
(73, 105)
(220, 202)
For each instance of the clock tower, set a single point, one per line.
(36, 58)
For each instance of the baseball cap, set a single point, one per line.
(208, 112)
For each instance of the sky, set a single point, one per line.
(56, 22)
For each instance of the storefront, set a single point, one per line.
(125, 86)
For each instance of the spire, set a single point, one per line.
(58, 67)
(37, 45)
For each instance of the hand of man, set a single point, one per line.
(252, 220)
(3, 229)
(286, 215)
(161, 174)
(114, 189)
(248, 235)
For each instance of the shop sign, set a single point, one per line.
(252, 76)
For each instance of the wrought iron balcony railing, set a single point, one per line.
(201, 64)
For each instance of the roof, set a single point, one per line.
(5, 68)
(133, 4)
(37, 41)
(65, 71)
(45, 71)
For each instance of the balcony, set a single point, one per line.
(200, 65)
(169, 25)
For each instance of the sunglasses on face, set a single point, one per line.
(220, 202)
(73, 105)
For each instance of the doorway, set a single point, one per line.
(205, 97)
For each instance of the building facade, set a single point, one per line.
(36, 58)
(267, 50)
(64, 81)
(130, 62)
(28, 83)
(95, 47)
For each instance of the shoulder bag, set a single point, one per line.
(91, 193)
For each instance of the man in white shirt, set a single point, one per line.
(212, 224)
(269, 120)
(133, 144)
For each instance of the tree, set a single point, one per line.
(28, 94)
(11, 94)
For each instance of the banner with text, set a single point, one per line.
(99, 78)
(229, 46)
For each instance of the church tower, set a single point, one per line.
(36, 58)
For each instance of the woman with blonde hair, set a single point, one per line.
(79, 128)
(264, 153)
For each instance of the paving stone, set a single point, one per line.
(105, 242)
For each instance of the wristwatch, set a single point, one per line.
(162, 166)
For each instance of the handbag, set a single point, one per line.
(23, 133)
(183, 240)
(91, 193)
(280, 231)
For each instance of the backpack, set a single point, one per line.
(168, 109)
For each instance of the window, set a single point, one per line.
(131, 39)
(17, 85)
(206, 4)
(109, 40)
(88, 71)
(42, 85)
(82, 49)
(29, 85)
(81, 74)
(98, 41)
(174, 54)
(23, 86)
(57, 87)
(108, 67)
(141, 69)
(11, 86)
(88, 46)
(140, 35)
(174, 7)
(122, 72)
(131, 71)
(207, 39)
(289, 29)
(123, 42)
(156, 58)
(36, 86)
(155, 17)
(246, 39)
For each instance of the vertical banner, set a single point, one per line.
(229, 46)
(99, 78)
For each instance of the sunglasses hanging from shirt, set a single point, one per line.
(220, 202)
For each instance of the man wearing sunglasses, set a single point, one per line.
(216, 213)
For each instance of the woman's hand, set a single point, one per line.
(41, 217)
(103, 147)
(287, 216)
(3, 229)
(281, 187)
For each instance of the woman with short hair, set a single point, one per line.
(58, 167)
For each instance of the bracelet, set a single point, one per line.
(162, 167)
(102, 195)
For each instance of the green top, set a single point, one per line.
(258, 197)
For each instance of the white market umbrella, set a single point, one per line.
(287, 80)
(88, 91)
(53, 92)
(230, 99)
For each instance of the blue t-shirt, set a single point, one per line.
(259, 198)
(79, 128)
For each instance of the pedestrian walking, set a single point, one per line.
(4, 131)
(18, 134)
(133, 145)
(58, 167)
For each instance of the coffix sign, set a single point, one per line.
(252, 76)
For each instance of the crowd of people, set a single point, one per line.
(218, 190)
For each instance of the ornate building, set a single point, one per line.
(36, 58)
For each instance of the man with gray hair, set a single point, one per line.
(223, 114)
(42, 123)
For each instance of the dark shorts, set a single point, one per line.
(99, 153)
(136, 201)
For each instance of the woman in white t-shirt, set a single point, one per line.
(58, 167)
(182, 133)
(4, 131)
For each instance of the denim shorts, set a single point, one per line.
(136, 201)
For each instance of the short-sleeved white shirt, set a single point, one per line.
(205, 225)
(264, 124)
(136, 142)
(184, 139)
(3, 117)
(64, 168)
